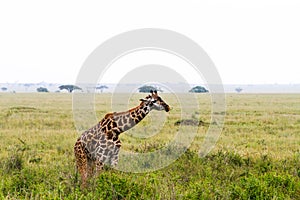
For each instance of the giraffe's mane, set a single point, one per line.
(114, 114)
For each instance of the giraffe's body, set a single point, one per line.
(100, 144)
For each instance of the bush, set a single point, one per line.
(266, 186)
(42, 89)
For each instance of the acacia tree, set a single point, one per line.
(4, 89)
(238, 90)
(198, 89)
(69, 88)
(148, 88)
(101, 88)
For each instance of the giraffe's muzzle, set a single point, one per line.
(167, 108)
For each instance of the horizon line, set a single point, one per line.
(69, 83)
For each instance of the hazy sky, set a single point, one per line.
(249, 41)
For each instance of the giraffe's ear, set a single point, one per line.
(143, 100)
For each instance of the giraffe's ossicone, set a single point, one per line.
(100, 144)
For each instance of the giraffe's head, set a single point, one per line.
(155, 102)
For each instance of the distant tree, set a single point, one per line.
(238, 90)
(69, 88)
(198, 89)
(26, 85)
(42, 89)
(4, 89)
(148, 88)
(101, 88)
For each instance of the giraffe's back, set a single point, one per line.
(100, 142)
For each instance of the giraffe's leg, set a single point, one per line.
(81, 162)
(99, 167)
(89, 168)
(114, 160)
(115, 157)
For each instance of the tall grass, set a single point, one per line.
(256, 157)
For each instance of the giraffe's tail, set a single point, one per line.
(76, 174)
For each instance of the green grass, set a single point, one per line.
(256, 157)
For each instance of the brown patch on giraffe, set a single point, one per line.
(140, 117)
(118, 144)
(109, 135)
(136, 120)
(132, 115)
(131, 122)
(126, 127)
(114, 124)
(115, 138)
(124, 120)
(117, 131)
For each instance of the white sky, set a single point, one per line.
(249, 41)
(132, 61)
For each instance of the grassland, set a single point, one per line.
(256, 157)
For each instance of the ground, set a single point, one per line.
(256, 157)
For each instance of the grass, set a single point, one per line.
(256, 157)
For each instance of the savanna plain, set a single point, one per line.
(257, 155)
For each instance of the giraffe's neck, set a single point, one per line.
(127, 120)
(119, 122)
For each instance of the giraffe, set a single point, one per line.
(100, 144)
